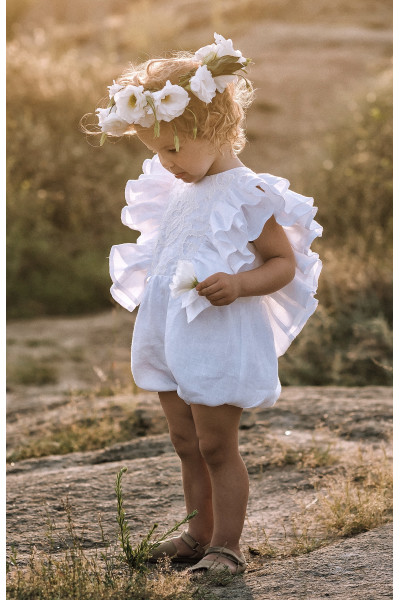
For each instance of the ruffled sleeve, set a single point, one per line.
(147, 199)
(240, 217)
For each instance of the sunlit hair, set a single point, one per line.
(221, 121)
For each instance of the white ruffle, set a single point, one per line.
(146, 200)
(240, 217)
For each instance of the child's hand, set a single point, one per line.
(220, 289)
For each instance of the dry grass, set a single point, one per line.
(349, 340)
(107, 575)
(94, 430)
(295, 453)
(356, 500)
(30, 371)
(313, 456)
(360, 501)
(78, 576)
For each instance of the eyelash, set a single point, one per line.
(170, 150)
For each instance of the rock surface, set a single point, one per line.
(345, 420)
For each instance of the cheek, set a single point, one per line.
(166, 159)
(162, 161)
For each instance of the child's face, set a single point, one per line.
(195, 159)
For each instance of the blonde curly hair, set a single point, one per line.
(221, 121)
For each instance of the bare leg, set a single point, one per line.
(195, 475)
(217, 431)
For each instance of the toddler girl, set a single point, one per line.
(222, 271)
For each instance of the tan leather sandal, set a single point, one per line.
(214, 565)
(168, 548)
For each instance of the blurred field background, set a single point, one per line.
(322, 118)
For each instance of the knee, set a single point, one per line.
(213, 451)
(185, 446)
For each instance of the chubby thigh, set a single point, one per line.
(226, 355)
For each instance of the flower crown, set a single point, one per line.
(220, 64)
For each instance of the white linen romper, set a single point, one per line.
(211, 355)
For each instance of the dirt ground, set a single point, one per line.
(343, 420)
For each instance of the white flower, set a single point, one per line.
(102, 114)
(130, 102)
(225, 48)
(221, 81)
(110, 122)
(184, 286)
(114, 88)
(170, 102)
(184, 279)
(147, 119)
(206, 53)
(203, 85)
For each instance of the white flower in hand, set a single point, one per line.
(203, 84)
(184, 279)
(130, 102)
(170, 102)
(110, 122)
(183, 285)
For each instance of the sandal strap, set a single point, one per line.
(202, 565)
(191, 542)
(239, 560)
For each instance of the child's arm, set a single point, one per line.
(277, 271)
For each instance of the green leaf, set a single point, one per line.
(195, 124)
(209, 58)
(248, 84)
(184, 80)
(225, 65)
(222, 65)
(150, 102)
(176, 138)
(103, 138)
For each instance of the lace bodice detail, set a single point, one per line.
(184, 226)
